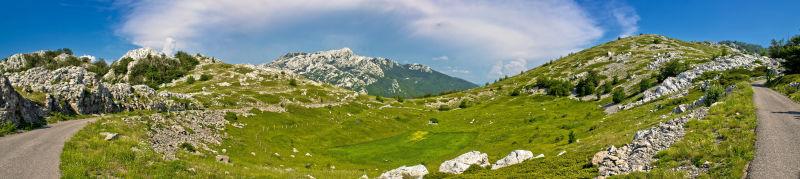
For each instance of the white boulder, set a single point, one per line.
(461, 163)
(413, 172)
(515, 157)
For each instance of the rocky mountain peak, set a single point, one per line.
(343, 68)
(141, 53)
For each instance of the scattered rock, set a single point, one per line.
(638, 155)
(561, 153)
(461, 163)
(412, 172)
(223, 159)
(515, 157)
(109, 135)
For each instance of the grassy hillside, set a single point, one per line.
(285, 126)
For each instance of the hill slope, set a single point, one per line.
(376, 76)
(266, 122)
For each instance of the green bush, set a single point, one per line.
(713, 94)
(588, 84)
(205, 77)
(618, 95)
(571, 137)
(646, 84)
(444, 107)
(7, 128)
(188, 147)
(555, 87)
(121, 66)
(99, 68)
(672, 68)
(789, 51)
(463, 104)
(231, 116)
(190, 80)
(293, 82)
(433, 121)
(514, 93)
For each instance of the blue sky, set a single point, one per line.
(475, 40)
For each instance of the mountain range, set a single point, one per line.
(373, 75)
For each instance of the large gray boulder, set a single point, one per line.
(16, 109)
(515, 157)
(461, 163)
(404, 172)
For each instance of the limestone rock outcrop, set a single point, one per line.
(461, 163)
(16, 109)
(404, 172)
(515, 157)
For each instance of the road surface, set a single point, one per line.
(777, 136)
(36, 153)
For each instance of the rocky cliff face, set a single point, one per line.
(16, 109)
(374, 75)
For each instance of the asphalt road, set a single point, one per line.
(778, 136)
(36, 153)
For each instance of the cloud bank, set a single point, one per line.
(509, 35)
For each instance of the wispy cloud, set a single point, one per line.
(510, 34)
(440, 58)
(627, 18)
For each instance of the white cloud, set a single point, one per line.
(441, 58)
(510, 33)
(627, 18)
(169, 46)
(509, 68)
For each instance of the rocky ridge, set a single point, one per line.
(16, 109)
(638, 155)
(683, 81)
(374, 75)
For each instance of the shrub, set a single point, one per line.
(645, 84)
(514, 93)
(789, 51)
(463, 104)
(607, 88)
(7, 128)
(571, 137)
(293, 82)
(121, 67)
(433, 121)
(618, 95)
(99, 68)
(190, 80)
(188, 147)
(399, 99)
(377, 98)
(205, 77)
(672, 68)
(555, 87)
(444, 107)
(713, 94)
(588, 84)
(231, 116)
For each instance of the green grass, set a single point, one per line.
(7, 128)
(127, 156)
(396, 149)
(781, 84)
(363, 136)
(726, 138)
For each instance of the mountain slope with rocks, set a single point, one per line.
(560, 120)
(373, 75)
